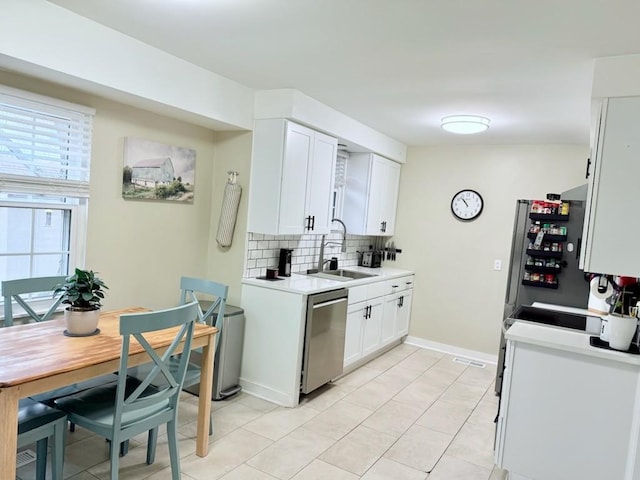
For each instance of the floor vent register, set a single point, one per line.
(25, 457)
(471, 363)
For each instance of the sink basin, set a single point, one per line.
(342, 275)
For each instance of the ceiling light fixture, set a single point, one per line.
(465, 124)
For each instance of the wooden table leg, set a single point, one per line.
(204, 400)
(8, 431)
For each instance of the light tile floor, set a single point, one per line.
(410, 414)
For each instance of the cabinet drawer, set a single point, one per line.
(376, 289)
(398, 284)
(366, 292)
(357, 294)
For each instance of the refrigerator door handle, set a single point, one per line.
(578, 248)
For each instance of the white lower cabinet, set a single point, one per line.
(397, 309)
(565, 415)
(378, 315)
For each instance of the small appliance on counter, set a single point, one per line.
(284, 266)
(372, 258)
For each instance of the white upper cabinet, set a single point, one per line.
(611, 228)
(371, 194)
(292, 176)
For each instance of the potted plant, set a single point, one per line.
(622, 320)
(83, 293)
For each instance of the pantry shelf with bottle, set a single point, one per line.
(546, 247)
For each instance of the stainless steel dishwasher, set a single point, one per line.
(323, 354)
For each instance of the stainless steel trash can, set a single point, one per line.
(228, 359)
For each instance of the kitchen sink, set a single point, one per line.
(341, 275)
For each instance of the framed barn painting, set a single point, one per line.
(155, 171)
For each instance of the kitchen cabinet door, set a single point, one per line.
(292, 176)
(403, 314)
(551, 414)
(353, 333)
(320, 180)
(371, 194)
(396, 316)
(293, 191)
(389, 312)
(610, 229)
(383, 199)
(372, 328)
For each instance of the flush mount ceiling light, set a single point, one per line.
(465, 124)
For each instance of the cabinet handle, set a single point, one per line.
(313, 222)
(402, 301)
(307, 223)
(587, 173)
(408, 283)
(399, 304)
(395, 286)
(369, 311)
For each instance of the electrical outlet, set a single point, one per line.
(497, 264)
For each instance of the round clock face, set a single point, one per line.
(466, 204)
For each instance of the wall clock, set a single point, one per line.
(467, 205)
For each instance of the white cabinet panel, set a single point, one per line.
(353, 333)
(396, 316)
(565, 415)
(403, 315)
(372, 327)
(371, 194)
(320, 180)
(297, 152)
(611, 231)
(376, 318)
(292, 176)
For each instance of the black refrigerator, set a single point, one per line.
(545, 254)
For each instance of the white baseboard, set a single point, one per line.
(452, 350)
(267, 393)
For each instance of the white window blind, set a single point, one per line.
(341, 168)
(45, 145)
(45, 154)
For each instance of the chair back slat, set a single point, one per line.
(13, 289)
(136, 325)
(189, 286)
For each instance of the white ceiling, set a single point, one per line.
(398, 66)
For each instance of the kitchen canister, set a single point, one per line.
(621, 331)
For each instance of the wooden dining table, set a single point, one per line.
(38, 357)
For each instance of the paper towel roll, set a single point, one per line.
(593, 289)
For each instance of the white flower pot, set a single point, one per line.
(621, 331)
(81, 322)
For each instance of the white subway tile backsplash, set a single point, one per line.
(262, 263)
(264, 251)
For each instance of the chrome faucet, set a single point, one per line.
(343, 244)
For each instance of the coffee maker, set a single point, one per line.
(284, 265)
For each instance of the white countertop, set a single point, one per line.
(566, 340)
(306, 284)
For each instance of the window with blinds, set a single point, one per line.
(45, 152)
(340, 182)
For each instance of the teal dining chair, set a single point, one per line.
(13, 291)
(129, 407)
(37, 423)
(189, 287)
